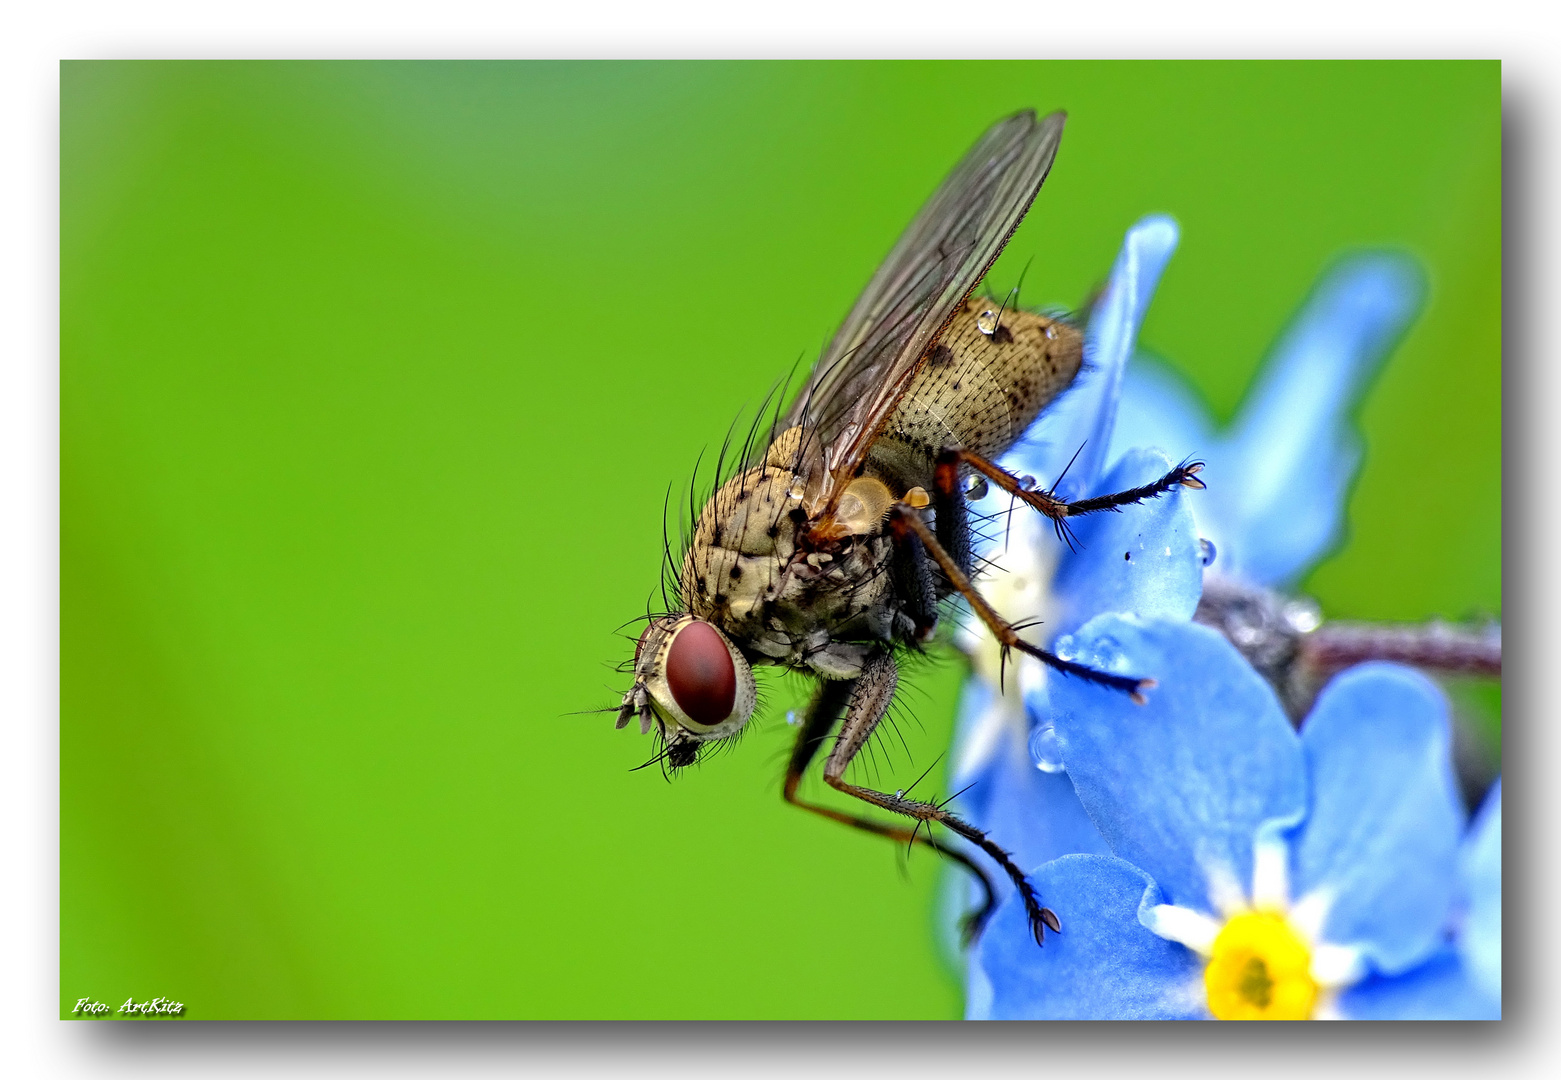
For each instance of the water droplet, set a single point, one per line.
(1046, 750)
(986, 322)
(797, 490)
(1206, 551)
(791, 717)
(900, 794)
(1051, 331)
(976, 488)
(1027, 483)
(1303, 615)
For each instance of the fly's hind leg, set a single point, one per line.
(870, 697)
(1060, 510)
(822, 713)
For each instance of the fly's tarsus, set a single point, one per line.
(1040, 917)
(1133, 688)
(906, 522)
(1183, 475)
(823, 711)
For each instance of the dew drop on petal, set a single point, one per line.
(1206, 551)
(976, 489)
(1045, 749)
(986, 322)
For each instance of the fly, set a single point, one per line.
(832, 549)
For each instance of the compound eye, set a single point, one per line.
(701, 675)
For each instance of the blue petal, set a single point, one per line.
(1382, 835)
(1480, 875)
(1158, 409)
(1103, 966)
(977, 698)
(1439, 989)
(1178, 786)
(1292, 453)
(1084, 416)
(1143, 561)
(1033, 815)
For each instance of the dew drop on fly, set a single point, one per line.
(976, 489)
(1206, 551)
(797, 490)
(986, 322)
(1045, 749)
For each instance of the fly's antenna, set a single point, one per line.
(594, 712)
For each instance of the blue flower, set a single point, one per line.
(1278, 478)
(1279, 475)
(1255, 872)
(1146, 560)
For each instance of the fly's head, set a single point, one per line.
(691, 683)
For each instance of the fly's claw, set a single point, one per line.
(1041, 918)
(1186, 475)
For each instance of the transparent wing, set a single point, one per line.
(939, 259)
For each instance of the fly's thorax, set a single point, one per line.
(749, 571)
(987, 379)
(743, 539)
(691, 679)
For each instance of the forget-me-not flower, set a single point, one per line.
(1262, 889)
(1255, 871)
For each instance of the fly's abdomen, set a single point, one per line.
(987, 380)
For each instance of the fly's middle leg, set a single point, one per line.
(1060, 510)
(823, 712)
(870, 698)
(905, 522)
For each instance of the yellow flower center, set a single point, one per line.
(1261, 969)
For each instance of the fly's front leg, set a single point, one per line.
(869, 702)
(905, 522)
(1059, 510)
(823, 711)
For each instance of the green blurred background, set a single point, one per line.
(373, 376)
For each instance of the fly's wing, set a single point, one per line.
(941, 257)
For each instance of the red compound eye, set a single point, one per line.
(701, 675)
